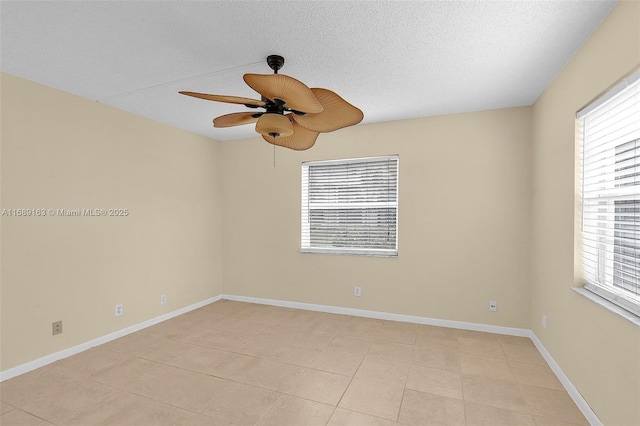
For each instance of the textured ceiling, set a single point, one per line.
(392, 59)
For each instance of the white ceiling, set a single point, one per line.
(392, 59)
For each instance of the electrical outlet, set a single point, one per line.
(163, 299)
(119, 310)
(544, 321)
(493, 306)
(56, 327)
(357, 291)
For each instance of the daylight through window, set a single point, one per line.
(350, 206)
(611, 194)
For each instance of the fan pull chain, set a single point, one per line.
(274, 153)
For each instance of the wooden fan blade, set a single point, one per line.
(300, 140)
(224, 98)
(294, 93)
(236, 119)
(337, 113)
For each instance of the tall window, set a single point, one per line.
(350, 206)
(611, 194)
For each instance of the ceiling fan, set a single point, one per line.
(293, 114)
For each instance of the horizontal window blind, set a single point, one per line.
(350, 206)
(611, 194)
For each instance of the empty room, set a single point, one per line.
(320, 213)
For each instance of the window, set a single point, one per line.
(611, 194)
(350, 206)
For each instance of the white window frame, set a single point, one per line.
(599, 255)
(307, 206)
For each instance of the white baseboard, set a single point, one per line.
(41, 362)
(383, 315)
(570, 388)
(582, 404)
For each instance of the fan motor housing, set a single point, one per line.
(275, 62)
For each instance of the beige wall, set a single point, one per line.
(598, 350)
(62, 151)
(486, 213)
(464, 214)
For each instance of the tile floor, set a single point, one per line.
(232, 363)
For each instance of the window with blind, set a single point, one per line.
(350, 206)
(610, 131)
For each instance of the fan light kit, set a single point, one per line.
(294, 115)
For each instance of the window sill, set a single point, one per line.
(612, 307)
(353, 252)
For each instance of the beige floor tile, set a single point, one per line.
(479, 335)
(282, 332)
(482, 347)
(20, 418)
(5, 408)
(160, 414)
(317, 340)
(319, 386)
(170, 329)
(19, 390)
(187, 370)
(212, 322)
(396, 335)
(162, 350)
(181, 388)
(65, 404)
(377, 370)
(115, 408)
(435, 331)
(261, 372)
(536, 375)
(279, 351)
(374, 398)
(260, 347)
(215, 339)
(328, 323)
(127, 374)
(423, 409)
(515, 340)
(342, 417)
(494, 368)
(353, 345)
(435, 381)
(241, 404)
(203, 360)
(198, 393)
(436, 357)
(496, 393)
(483, 415)
(394, 352)
(247, 327)
(401, 325)
(368, 322)
(343, 363)
(343, 318)
(365, 328)
(546, 421)
(523, 353)
(270, 315)
(130, 343)
(236, 403)
(292, 411)
(551, 403)
(429, 340)
(156, 381)
(301, 318)
(92, 361)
